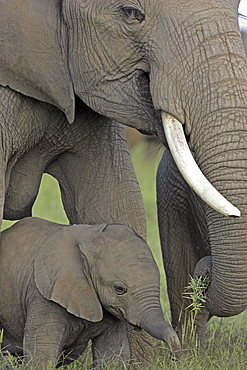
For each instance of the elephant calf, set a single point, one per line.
(61, 286)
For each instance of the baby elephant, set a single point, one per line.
(61, 286)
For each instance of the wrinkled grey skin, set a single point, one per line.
(184, 237)
(127, 62)
(66, 285)
(185, 233)
(187, 248)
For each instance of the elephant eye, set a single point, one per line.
(120, 289)
(133, 13)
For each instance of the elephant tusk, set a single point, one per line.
(190, 171)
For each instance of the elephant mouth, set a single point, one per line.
(190, 171)
(121, 317)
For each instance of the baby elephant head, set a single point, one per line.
(84, 267)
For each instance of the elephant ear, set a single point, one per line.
(33, 59)
(62, 275)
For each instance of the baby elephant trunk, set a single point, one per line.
(158, 328)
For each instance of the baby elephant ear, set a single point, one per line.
(61, 276)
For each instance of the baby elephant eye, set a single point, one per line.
(133, 13)
(119, 289)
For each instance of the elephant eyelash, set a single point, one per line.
(133, 13)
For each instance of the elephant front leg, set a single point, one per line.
(44, 335)
(183, 240)
(97, 180)
(112, 345)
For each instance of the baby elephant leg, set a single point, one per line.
(45, 330)
(111, 345)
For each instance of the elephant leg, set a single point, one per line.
(97, 179)
(44, 334)
(26, 174)
(141, 344)
(98, 185)
(111, 345)
(183, 237)
(33, 144)
(24, 185)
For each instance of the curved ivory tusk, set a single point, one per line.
(189, 169)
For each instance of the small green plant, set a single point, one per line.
(195, 292)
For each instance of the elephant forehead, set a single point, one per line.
(127, 248)
(123, 235)
(123, 252)
(126, 267)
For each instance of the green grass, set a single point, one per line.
(225, 346)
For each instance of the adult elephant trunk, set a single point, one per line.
(224, 161)
(226, 295)
(209, 98)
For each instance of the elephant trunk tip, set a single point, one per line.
(217, 302)
(173, 342)
(161, 330)
(203, 267)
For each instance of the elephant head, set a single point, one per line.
(159, 58)
(87, 268)
(149, 64)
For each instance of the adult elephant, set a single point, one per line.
(84, 63)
